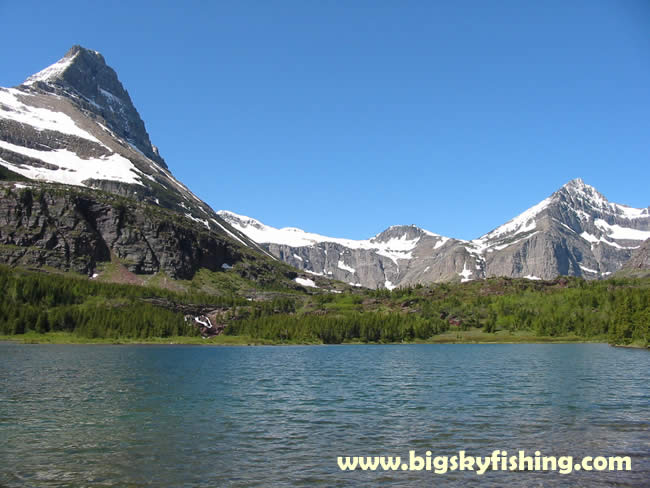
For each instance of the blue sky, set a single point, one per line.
(345, 117)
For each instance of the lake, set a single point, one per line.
(192, 416)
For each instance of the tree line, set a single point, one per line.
(618, 309)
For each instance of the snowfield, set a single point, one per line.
(395, 249)
(12, 108)
(74, 170)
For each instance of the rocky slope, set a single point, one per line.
(57, 227)
(576, 231)
(74, 123)
(639, 264)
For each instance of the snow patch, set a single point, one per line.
(465, 274)
(306, 282)
(589, 237)
(594, 240)
(345, 267)
(630, 212)
(564, 225)
(228, 232)
(200, 221)
(74, 170)
(39, 118)
(313, 273)
(588, 270)
(440, 243)
(618, 232)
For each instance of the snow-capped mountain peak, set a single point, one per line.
(74, 123)
(83, 77)
(76, 55)
(53, 71)
(574, 231)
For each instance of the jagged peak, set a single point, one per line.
(578, 185)
(84, 73)
(577, 188)
(576, 182)
(57, 70)
(83, 77)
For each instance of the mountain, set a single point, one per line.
(382, 261)
(94, 189)
(576, 231)
(74, 123)
(85, 186)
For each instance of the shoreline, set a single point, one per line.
(225, 340)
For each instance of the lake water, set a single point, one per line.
(192, 416)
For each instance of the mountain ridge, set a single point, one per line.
(74, 123)
(610, 230)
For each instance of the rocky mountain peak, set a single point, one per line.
(575, 231)
(582, 197)
(83, 77)
(78, 60)
(576, 183)
(403, 232)
(577, 188)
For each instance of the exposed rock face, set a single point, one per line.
(639, 264)
(575, 231)
(74, 123)
(83, 76)
(49, 226)
(641, 257)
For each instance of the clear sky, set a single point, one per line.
(345, 117)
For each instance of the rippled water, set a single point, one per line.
(187, 416)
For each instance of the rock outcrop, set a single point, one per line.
(639, 264)
(52, 226)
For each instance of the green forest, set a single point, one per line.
(613, 310)
(618, 310)
(40, 302)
